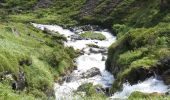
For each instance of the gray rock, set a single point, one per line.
(20, 84)
(103, 58)
(76, 37)
(91, 72)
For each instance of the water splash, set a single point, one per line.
(150, 85)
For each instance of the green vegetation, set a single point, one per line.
(37, 54)
(145, 96)
(93, 35)
(91, 92)
(143, 39)
(46, 11)
(93, 45)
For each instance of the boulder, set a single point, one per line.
(91, 72)
(103, 58)
(76, 37)
(98, 50)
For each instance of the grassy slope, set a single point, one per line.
(49, 59)
(143, 38)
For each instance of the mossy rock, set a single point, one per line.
(93, 35)
(148, 96)
(93, 45)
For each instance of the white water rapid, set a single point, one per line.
(150, 85)
(95, 58)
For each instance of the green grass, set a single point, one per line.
(145, 96)
(93, 35)
(32, 45)
(6, 93)
(90, 92)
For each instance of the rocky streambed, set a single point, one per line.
(91, 65)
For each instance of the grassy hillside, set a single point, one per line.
(40, 56)
(143, 41)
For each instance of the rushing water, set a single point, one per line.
(148, 86)
(93, 57)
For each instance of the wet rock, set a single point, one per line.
(90, 89)
(136, 75)
(103, 58)
(86, 28)
(98, 50)
(91, 72)
(161, 71)
(166, 77)
(19, 84)
(76, 37)
(47, 31)
(103, 51)
(93, 45)
(167, 93)
(72, 77)
(92, 50)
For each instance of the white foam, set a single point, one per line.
(54, 28)
(148, 86)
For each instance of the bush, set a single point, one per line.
(119, 29)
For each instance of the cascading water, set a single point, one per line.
(148, 86)
(94, 58)
(91, 58)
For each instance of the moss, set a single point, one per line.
(145, 96)
(93, 45)
(91, 92)
(93, 35)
